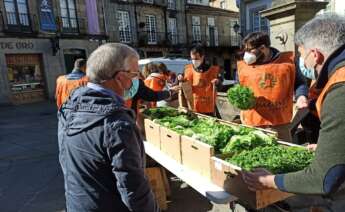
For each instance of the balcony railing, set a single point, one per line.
(160, 39)
(12, 22)
(160, 3)
(151, 38)
(222, 40)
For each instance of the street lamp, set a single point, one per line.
(236, 27)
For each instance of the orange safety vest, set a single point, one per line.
(64, 87)
(337, 77)
(273, 87)
(203, 97)
(313, 95)
(156, 82)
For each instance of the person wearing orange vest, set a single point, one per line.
(273, 78)
(321, 43)
(156, 80)
(67, 83)
(203, 79)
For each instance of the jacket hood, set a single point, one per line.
(87, 107)
(335, 61)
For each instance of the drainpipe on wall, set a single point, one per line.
(105, 18)
(186, 19)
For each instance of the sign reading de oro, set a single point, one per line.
(16, 45)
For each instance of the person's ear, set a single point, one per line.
(317, 56)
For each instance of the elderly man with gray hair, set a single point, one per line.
(101, 153)
(321, 44)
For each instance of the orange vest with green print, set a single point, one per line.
(203, 96)
(337, 77)
(273, 87)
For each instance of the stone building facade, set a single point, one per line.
(213, 28)
(154, 28)
(250, 18)
(225, 4)
(39, 40)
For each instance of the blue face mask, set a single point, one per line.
(130, 93)
(307, 72)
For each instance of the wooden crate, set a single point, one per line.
(171, 143)
(227, 176)
(152, 133)
(155, 177)
(197, 155)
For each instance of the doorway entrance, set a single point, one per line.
(70, 55)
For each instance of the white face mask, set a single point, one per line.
(196, 63)
(249, 58)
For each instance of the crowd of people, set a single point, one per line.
(101, 150)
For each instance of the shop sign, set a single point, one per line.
(16, 45)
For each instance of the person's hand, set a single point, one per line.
(180, 77)
(215, 81)
(175, 88)
(302, 102)
(311, 147)
(259, 179)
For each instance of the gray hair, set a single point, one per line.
(325, 32)
(108, 59)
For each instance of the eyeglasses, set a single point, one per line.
(128, 72)
(251, 49)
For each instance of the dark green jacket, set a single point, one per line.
(326, 173)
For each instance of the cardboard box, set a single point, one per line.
(227, 176)
(196, 155)
(152, 133)
(171, 143)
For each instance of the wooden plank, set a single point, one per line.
(197, 155)
(166, 182)
(154, 176)
(186, 88)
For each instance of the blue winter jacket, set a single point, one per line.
(102, 155)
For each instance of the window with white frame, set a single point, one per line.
(151, 29)
(172, 4)
(124, 26)
(223, 4)
(211, 32)
(172, 30)
(148, 1)
(196, 28)
(201, 2)
(68, 15)
(17, 12)
(257, 23)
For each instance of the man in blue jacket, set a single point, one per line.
(101, 152)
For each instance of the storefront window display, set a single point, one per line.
(25, 75)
